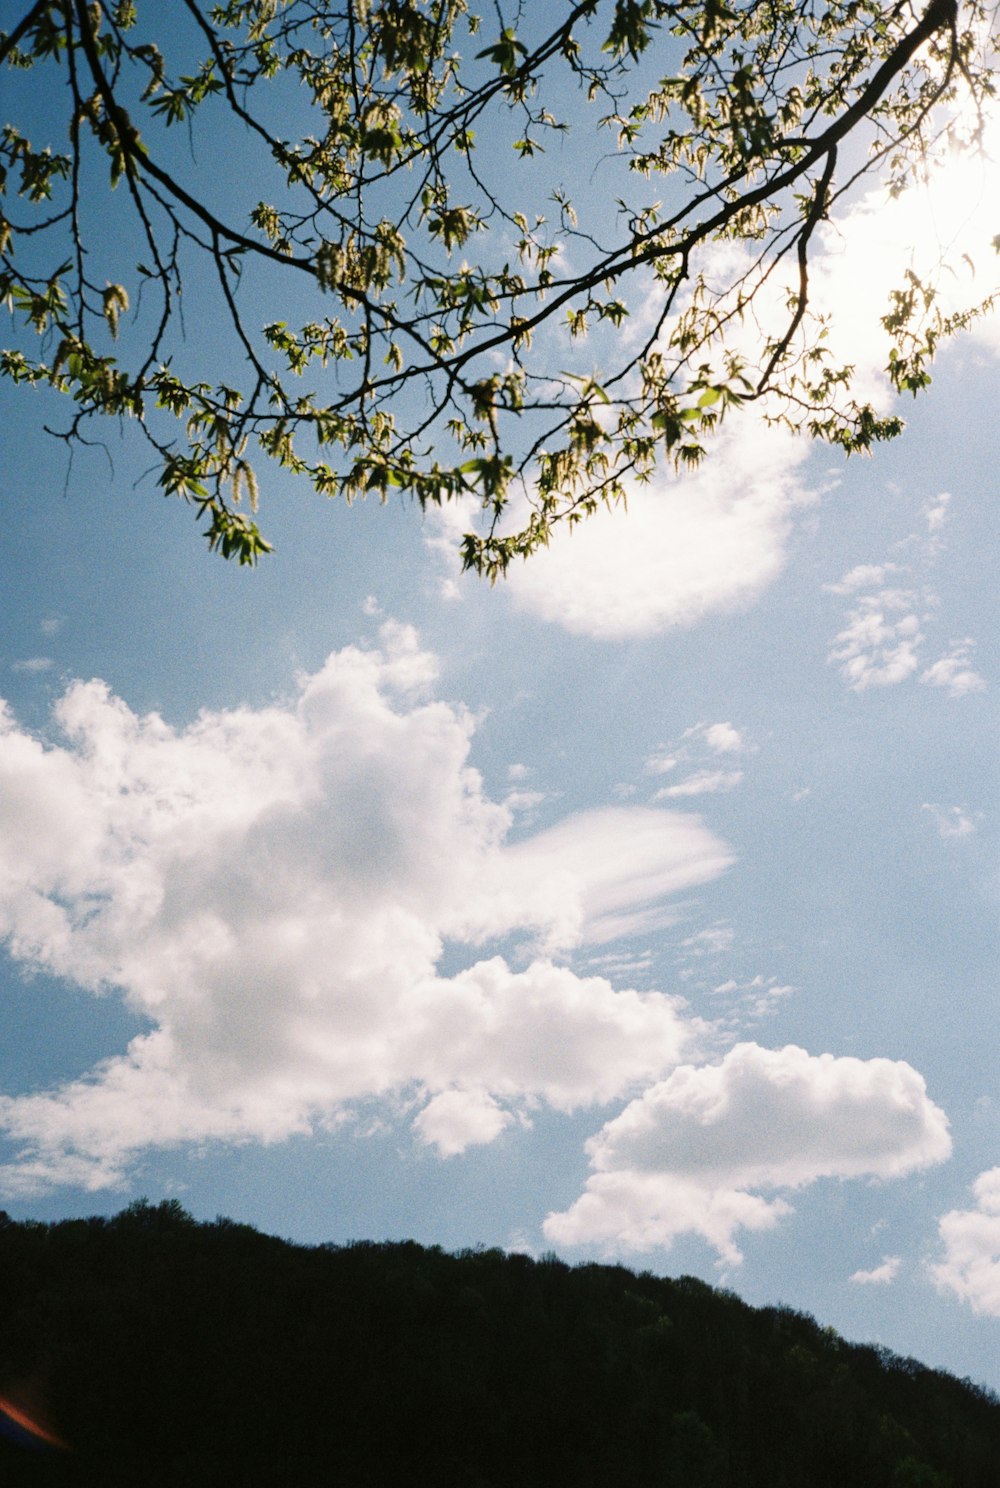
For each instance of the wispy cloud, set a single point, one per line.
(661, 764)
(701, 745)
(715, 940)
(883, 1275)
(33, 664)
(862, 576)
(951, 821)
(955, 672)
(701, 783)
(936, 512)
(748, 1002)
(710, 541)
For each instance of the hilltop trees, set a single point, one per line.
(165, 1351)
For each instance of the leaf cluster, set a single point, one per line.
(443, 313)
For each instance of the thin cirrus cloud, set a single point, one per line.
(719, 739)
(882, 1275)
(698, 1151)
(271, 889)
(971, 1238)
(33, 664)
(701, 783)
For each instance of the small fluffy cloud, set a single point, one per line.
(272, 889)
(877, 649)
(33, 664)
(936, 512)
(692, 1154)
(971, 1237)
(750, 1001)
(951, 821)
(874, 650)
(955, 672)
(722, 738)
(457, 1119)
(882, 1275)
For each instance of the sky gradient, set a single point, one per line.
(643, 907)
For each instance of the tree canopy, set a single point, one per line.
(385, 290)
(163, 1351)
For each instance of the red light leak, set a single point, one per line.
(19, 1417)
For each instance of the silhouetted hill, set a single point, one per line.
(170, 1352)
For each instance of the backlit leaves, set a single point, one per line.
(441, 305)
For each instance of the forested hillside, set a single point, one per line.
(163, 1351)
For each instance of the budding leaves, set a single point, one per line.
(392, 312)
(115, 302)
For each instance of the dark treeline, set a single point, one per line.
(164, 1351)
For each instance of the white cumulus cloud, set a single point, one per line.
(874, 650)
(971, 1238)
(955, 672)
(698, 1151)
(722, 738)
(271, 888)
(456, 1119)
(712, 540)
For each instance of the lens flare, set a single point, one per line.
(23, 1428)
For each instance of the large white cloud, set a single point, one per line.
(272, 888)
(698, 544)
(971, 1265)
(694, 1152)
(689, 546)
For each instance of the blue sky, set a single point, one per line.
(643, 907)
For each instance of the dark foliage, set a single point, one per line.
(171, 1352)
